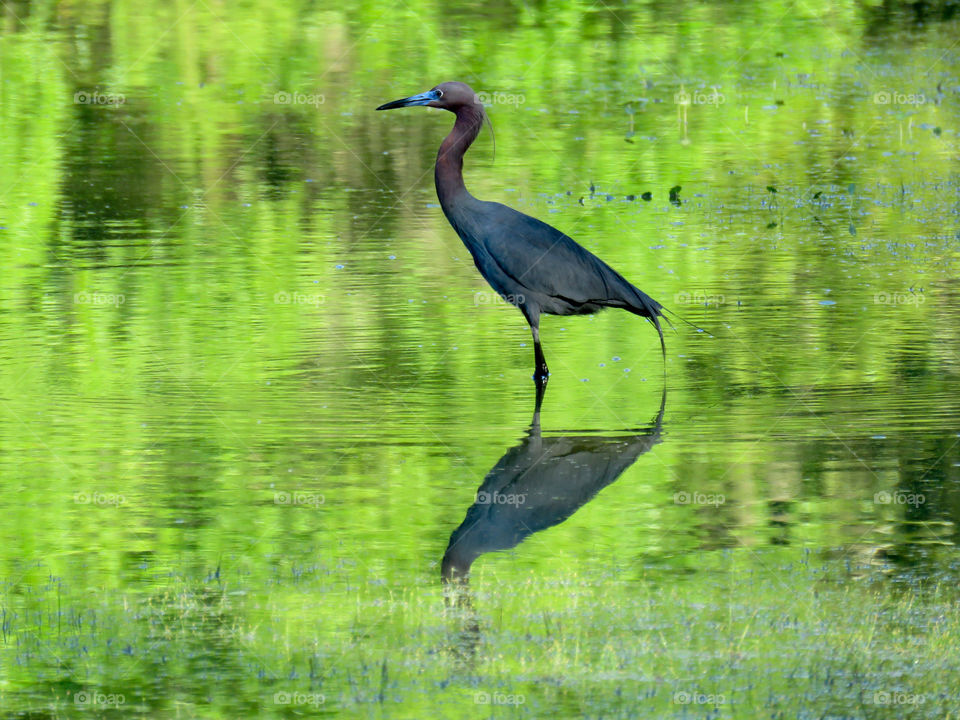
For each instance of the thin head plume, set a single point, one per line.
(486, 119)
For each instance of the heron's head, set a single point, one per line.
(448, 96)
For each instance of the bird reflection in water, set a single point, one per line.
(537, 484)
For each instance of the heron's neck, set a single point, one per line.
(449, 170)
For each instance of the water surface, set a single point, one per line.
(251, 383)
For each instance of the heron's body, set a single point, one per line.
(531, 264)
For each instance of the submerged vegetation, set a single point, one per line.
(251, 384)
(792, 632)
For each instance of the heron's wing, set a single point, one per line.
(542, 259)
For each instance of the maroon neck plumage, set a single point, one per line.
(448, 173)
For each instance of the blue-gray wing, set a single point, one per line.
(542, 259)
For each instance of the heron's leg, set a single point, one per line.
(540, 370)
(535, 423)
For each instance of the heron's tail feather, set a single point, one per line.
(647, 307)
(683, 319)
(663, 346)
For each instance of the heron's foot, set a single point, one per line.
(541, 374)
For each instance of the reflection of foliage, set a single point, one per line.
(886, 13)
(199, 199)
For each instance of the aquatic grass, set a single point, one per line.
(201, 396)
(788, 631)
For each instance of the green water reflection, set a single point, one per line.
(250, 381)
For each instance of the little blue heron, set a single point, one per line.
(527, 262)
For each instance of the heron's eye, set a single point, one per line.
(440, 91)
